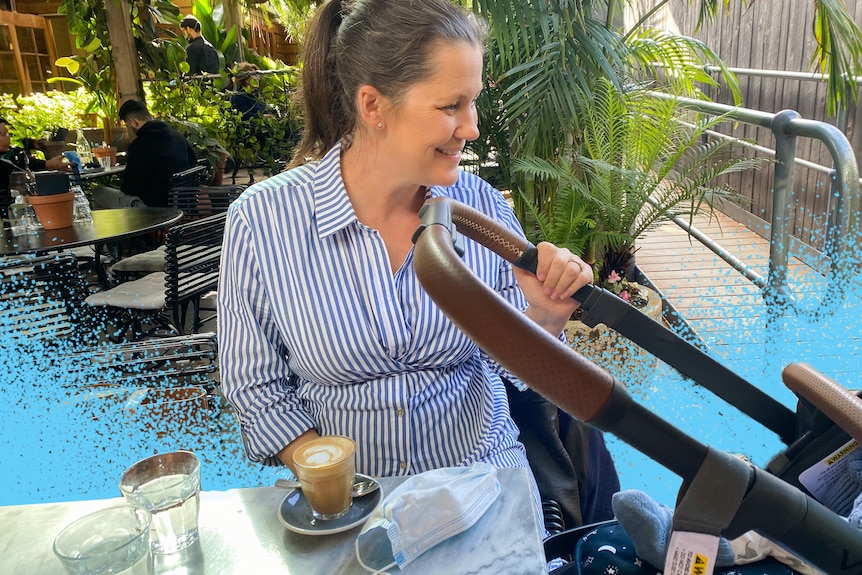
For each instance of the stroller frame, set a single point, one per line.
(767, 504)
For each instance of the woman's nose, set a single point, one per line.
(468, 129)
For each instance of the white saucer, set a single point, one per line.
(295, 513)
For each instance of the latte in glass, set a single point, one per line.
(326, 468)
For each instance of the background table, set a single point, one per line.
(107, 226)
(91, 173)
(240, 533)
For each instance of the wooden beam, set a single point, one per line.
(123, 53)
(233, 17)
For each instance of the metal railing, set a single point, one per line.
(842, 226)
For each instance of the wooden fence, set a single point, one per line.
(771, 35)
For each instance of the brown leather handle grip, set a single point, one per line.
(836, 401)
(540, 360)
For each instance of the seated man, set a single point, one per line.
(156, 153)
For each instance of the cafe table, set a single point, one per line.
(240, 532)
(92, 173)
(107, 226)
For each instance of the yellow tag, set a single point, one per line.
(691, 554)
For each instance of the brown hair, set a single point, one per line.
(382, 43)
(245, 79)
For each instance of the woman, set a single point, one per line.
(13, 159)
(246, 98)
(323, 326)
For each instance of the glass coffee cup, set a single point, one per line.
(326, 468)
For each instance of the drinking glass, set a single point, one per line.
(168, 485)
(113, 541)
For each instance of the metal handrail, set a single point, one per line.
(843, 222)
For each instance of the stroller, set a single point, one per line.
(722, 494)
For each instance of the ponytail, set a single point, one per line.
(325, 120)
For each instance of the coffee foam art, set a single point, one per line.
(322, 454)
(324, 451)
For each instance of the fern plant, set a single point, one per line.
(640, 161)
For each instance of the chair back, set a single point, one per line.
(165, 362)
(41, 299)
(190, 193)
(163, 386)
(192, 258)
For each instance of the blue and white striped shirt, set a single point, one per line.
(306, 289)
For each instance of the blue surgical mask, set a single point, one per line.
(423, 511)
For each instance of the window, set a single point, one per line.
(26, 53)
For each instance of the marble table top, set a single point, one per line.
(240, 533)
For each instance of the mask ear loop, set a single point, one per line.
(381, 571)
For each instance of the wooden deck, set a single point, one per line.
(728, 311)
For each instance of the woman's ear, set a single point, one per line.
(371, 105)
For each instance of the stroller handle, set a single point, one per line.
(591, 394)
(516, 341)
(836, 401)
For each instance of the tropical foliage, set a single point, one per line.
(33, 115)
(546, 60)
(158, 57)
(639, 160)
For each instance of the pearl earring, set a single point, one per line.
(379, 124)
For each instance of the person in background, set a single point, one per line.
(156, 153)
(13, 158)
(200, 54)
(323, 326)
(246, 98)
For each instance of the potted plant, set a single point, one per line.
(639, 160)
(199, 112)
(45, 118)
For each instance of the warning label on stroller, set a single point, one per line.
(832, 480)
(691, 553)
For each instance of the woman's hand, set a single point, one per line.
(57, 163)
(286, 454)
(559, 274)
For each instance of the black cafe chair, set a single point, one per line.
(168, 387)
(41, 301)
(192, 258)
(189, 193)
(176, 361)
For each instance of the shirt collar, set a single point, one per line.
(331, 203)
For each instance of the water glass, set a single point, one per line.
(81, 209)
(113, 541)
(168, 485)
(18, 218)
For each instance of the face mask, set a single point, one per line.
(423, 511)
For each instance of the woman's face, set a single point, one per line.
(437, 117)
(5, 141)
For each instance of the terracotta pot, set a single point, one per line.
(54, 212)
(108, 152)
(625, 360)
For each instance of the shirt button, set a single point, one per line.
(403, 465)
(400, 413)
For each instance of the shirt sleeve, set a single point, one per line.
(253, 360)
